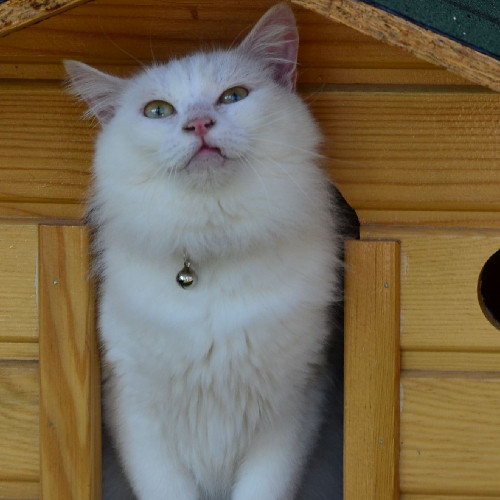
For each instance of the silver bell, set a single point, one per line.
(186, 277)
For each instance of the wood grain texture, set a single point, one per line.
(423, 43)
(425, 496)
(390, 152)
(18, 301)
(450, 444)
(429, 218)
(469, 362)
(440, 309)
(69, 368)
(44, 156)
(19, 351)
(413, 151)
(117, 34)
(371, 405)
(17, 14)
(19, 443)
(17, 490)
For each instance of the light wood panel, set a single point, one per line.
(440, 309)
(429, 218)
(44, 155)
(389, 151)
(14, 490)
(371, 405)
(18, 301)
(413, 151)
(450, 444)
(117, 34)
(19, 443)
(69, 368)
(470, 362)
(19, 351)
(422, 42)
(424, 496)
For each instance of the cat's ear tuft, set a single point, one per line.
(99, 90)
(275, 40)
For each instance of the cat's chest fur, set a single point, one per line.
(215, 362)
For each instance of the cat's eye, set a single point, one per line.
(158, 109)
(234, 94)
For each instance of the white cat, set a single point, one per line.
(209, 163)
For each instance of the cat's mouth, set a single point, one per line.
(206, 157)
(205, 149)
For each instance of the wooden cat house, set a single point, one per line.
(405, 95)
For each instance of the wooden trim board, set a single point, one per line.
(371, 405)
(70, 447)
(18, 14)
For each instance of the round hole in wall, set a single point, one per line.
(489, 289)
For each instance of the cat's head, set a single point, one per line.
(206, 116)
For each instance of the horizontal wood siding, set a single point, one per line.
(450, 442)
(117, 34)
(389, 151)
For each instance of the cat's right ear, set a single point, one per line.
(275, 40)
(99, 90)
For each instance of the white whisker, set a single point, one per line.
(287, 174)
(313, 154)
(262, 183)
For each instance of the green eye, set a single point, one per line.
(234, 94)
(158, 109)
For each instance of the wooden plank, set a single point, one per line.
(17, 14)
(450, 444)
(427, 45)
(390, 152)
(445, 497)
(16, 490)
(440, 309)
(471, 362)
(439, 218)
(371, 405)
(19, 351)
(19, 399)
(69, 368)
(117, 34)
(18, 301)
(43, 213)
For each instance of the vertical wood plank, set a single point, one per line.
(70, 455)
(18, 304)
(371, 418)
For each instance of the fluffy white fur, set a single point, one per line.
(213, 391)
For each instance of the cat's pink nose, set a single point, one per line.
(200, 126)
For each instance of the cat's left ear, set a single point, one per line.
(275, 40)
(98, 89)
